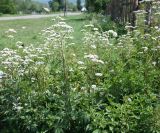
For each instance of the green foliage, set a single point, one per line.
(29, 6)
(7, 7)
(105, 23)
(79, 6)
(15, 6)
(96, 5)
(56, 5)
(102, 83)
(133, 115)
(71, 7)
(156, 118)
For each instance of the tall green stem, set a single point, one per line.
(65, 88)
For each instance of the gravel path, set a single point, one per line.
(37, 16)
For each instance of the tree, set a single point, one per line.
(71, 6)
(96, 5)
(33, 7)
(65, 7)
(90, 5)
(79, 5)
(56, 5)
(7, 7)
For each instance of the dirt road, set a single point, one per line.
(37, 16)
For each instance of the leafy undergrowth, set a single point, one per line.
(106, 83)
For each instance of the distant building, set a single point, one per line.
(46, 10)
(83, 9)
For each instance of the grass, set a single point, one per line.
(31, 35)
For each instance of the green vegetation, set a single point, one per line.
(28, 31)
(20, 6)
(7, 6)
(56, 5)
(98, 82)
(79, 5)
(105, 23)
(82, 74)
(97, 5)
(59, 5)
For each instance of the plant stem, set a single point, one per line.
(65, 88)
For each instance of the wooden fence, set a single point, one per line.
(124, 10)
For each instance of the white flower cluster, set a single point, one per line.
(113, 33)
(20, 61)
(94, 58)
(30, 59)
(10, 33)
(94, 38)
(98, 74)
(2, 74)
(58, 32)
(17, 107)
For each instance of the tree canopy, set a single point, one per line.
(79, 6)
(96, 5)
(7, 6)
(15, 6)
(58, 5)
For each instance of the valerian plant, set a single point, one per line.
(112, 86)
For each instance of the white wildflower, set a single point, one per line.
(19, 43)
(100, 61)
(80, 62)
(33, 79)
(111, 71)
(94, 87)
(93, 46)
(23, 27)
(71, 70)
(129, 99)
(11, 31)
(1, 74)
(145, 48)
(20, 72)
(91, 56)
(95, 29)
(82, 68)
(94, 58)
(73, 55)
(156, 27)
(6, 62)
(98, 74)
(154, 63)
(113, 33)
(140, 52)
(17, 107)
(89, 25)
(10, 36)
(83, 88)
(39, 62)
(154, 49)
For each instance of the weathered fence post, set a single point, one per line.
(148, 13)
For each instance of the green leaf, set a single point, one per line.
(97, 131)
(59, 130)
